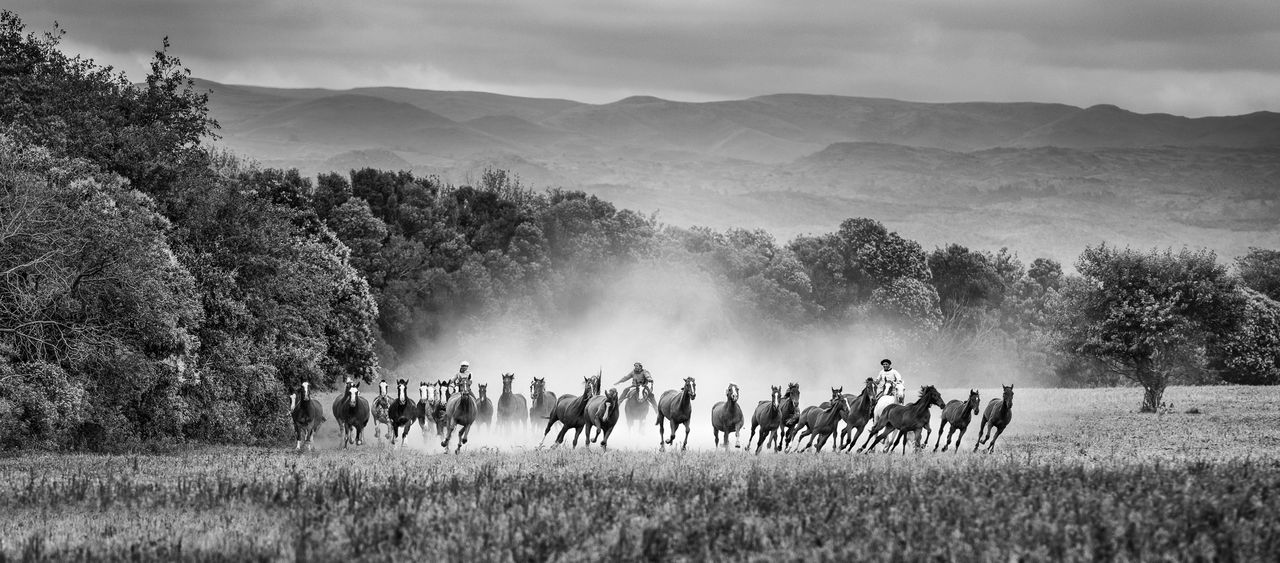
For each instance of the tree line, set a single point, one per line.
(156, 290)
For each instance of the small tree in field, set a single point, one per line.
(1146, 315)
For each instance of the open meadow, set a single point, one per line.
(1078, 475)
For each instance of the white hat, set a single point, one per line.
(466, 363)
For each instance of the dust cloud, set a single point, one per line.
(678, 324)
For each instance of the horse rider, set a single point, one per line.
(463, 376)
(890, 381)
(639, 377)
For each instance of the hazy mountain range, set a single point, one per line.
(1042, 179)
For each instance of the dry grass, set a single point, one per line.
(1076, 477)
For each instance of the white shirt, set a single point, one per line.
(891, 379)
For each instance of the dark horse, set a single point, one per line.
(998, 414)
(307, 414)
(904, 419)
(543, 401)
(638, 403)
(676, 406)
(571, 412)
(860, 409)
(460, 411)
(352, 414)
(726, 417)
(337, 402)
(790, 415)
(380, 405)
(958, 413)
(513, 409)
(484, 406)
(401, 412)
(768, 417)
(821, 421)
(602, 414)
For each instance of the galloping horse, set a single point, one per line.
(307, 414)
(958, 413)
(543, 401)
(460, 411)
(484, 407)
(822, 420)
(352, 414)
(602, 414)
(337, 402)
(675, 406)
(790, 415)
(860, 413)
(768, 417)
(571, 412)
(904, 419)
(428, 403)
(726, 417)
(637, 405)
(401, 412)
(998, 414)
(380, 406)
(512, 408)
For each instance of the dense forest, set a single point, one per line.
(155, 289)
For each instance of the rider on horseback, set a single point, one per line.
(462, 380)
(889, 381)
(639, 378)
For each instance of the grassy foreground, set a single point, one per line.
(1076, 477)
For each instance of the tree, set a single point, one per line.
(1147, 315)
(847, 266)
(1260, 270)
(1250, 354)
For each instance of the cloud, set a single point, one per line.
(1148, 55)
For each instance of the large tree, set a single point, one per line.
(1147, 316)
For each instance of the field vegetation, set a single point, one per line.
(1078, 476)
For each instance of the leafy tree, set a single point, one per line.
(1250, 354)
(1147, 315)
(149, 134)
(845, 267)
(1260, 270)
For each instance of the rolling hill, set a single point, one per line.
(1044, 179)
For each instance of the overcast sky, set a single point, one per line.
(1203, 57)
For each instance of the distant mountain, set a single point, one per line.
(1045, 179)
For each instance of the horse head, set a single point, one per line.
(305, 391)
(610, 403)
(594, 382)
(422, 391)
(731, 393)
(588, 387)
(690, 388)
(484, 393)
(869, 389)
(507, 378)
(930, 395)
(837, 392)
(1008, 396)
(538, 387)
(974, 401)
(463, 385)
(793, 392)
(353, 392)
(775, 394)
(382, 388)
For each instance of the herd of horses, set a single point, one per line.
(447, 406)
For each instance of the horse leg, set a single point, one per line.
(550, 421)
(662, 441)
(685, 445)
(958, 438)
(999, 431)
(737, 439)
(674, 426)
(982, 429)
(715, 434)
(949, 435)
(822, 441)
(604, 444)
(564, 429)
(578, 432)
(941, 426)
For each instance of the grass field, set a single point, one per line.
(1078, 476)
